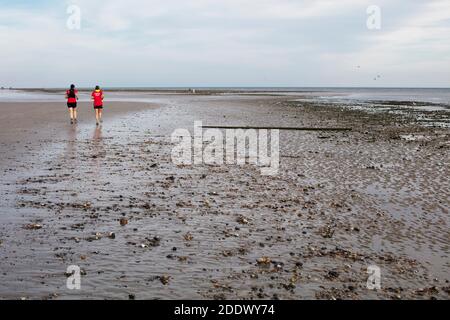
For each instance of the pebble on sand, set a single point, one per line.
(32, 226)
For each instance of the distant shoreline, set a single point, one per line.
(224, 89)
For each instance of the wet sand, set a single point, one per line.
(342, 201)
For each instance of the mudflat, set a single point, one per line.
(110, 200)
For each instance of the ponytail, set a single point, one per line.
(72, 91)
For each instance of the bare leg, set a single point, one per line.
(71, 114)
(75, 114)
(100, 114)
(96, 115)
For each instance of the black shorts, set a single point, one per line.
(98, 107)
(71, 104)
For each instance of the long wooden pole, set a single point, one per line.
(280, 128)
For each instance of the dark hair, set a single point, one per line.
(97, 88)
(72, 91)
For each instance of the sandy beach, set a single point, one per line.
(342, 201)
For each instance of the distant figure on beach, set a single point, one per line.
(72, 97)
(97, 97)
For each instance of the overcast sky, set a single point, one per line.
(225, 43)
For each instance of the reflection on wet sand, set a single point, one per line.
(98, 151)
(71, 142)
(97, 133)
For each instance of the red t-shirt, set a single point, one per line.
(98, 98)
(71, 99)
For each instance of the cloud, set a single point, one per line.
(205, 42)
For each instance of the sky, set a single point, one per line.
(225, 43)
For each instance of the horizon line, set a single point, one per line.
(228, 87)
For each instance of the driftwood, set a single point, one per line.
(280, 128)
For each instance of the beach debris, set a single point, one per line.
(188, 237)
(227, 253)
(242, 220)
(229, 233)
(264, 261)
(77, 226)
(290, 286)
(326, 231)
(96, 236)
(355, 229)
(151, 242)
(131, 296)
(294, 278)
(430, 291)
(123, 221)
(155, 241)
(164, 279)
(206, 203)
(218, 285)
(332, 274)
(32, 226)
(184, 204)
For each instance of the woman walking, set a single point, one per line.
(97, 97)
(72, 97)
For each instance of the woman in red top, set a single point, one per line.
(97, 97)
(72, 97)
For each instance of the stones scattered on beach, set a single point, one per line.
(326, 231)
(188, 237)
(263, 261)
(236, 216)
(98, 236)
(242, 220)
(32, 226)
(151, 242)
(165, 279)
(332, 275)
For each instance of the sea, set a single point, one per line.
(434, 96)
